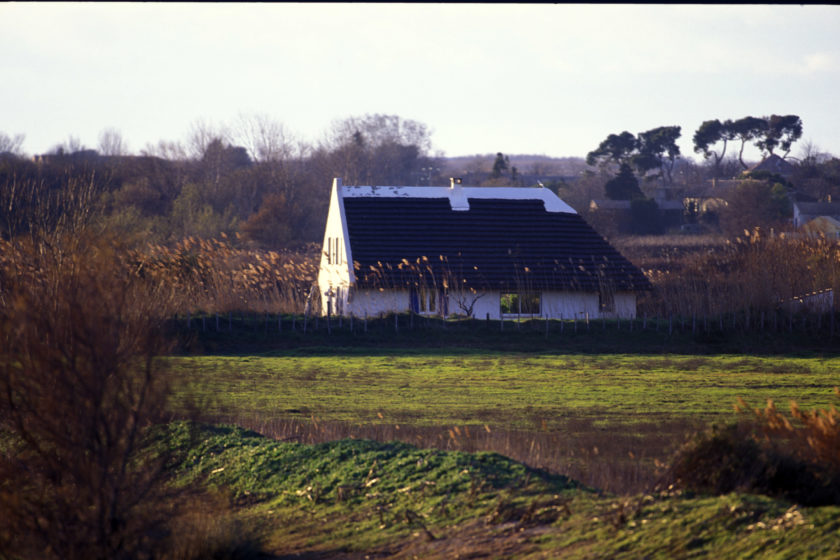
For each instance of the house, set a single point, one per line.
(775, 165)
(805, 212)
(495, 252)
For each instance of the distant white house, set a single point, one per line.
(477, 251)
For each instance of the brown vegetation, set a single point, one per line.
(760, 275)
(79, 386)
(214, 277)
(796, 458)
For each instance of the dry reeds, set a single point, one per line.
(211, 276)
(757, 273)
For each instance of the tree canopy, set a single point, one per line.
(767, 134)
(624, 186)
(655, 149)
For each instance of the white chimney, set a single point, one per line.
(457, 198)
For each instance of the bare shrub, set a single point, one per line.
(79, 385)
(796, 459)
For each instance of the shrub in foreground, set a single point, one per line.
(796, 459)
(79, 386)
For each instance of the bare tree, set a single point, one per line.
(466, 300)
(265, 139)
(201, 135)
(172, 151)
(111, 143)
(70, 146)
(11, 144)
(79, 387)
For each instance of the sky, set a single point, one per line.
(551, 79)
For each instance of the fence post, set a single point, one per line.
(546, 326)
(188, 320)
(365, 321)
(230, 321)
(279, 322)
(396, 322)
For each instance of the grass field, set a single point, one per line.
(361, 499)
(606, 419)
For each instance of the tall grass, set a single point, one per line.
(756, 273)
(214, 277)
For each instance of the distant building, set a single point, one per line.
(493, 252)
(774, 164)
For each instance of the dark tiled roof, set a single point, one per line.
(496, 244)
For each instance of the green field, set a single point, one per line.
(606, 419)
(502, 389)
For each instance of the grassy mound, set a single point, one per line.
(358, 498)
(250, 464)
(366, 492)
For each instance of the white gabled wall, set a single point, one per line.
(335, 273)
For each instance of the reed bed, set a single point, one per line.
(212, 276)
(758, 272)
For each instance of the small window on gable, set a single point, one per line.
(334, 251)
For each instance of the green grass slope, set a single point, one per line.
(358, 499)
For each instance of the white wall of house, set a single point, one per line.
(335, 274)
(555, 305)
(374, 302)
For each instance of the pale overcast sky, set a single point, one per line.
(521, 79)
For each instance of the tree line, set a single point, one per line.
(254, 180)
(261, 187)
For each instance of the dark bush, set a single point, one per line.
(736, 458)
